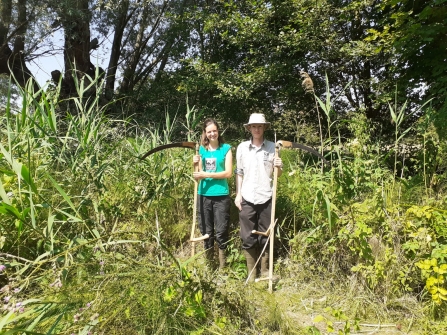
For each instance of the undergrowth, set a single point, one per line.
(95, 240)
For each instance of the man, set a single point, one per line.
(255, 161)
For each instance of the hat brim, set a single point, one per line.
(267, 125)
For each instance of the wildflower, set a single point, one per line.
(19, 304)
(21, 309)
(56, 283)
(89, 304)
(355, 143)
(17, 290)
(2, 268)
(76, 317)
(94, 316)
(5, 288)
(6, 299)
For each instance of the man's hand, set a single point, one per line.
(238, 201)
(277, 162)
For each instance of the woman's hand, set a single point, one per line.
(199, 175)
(196, 159)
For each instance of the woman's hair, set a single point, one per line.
(205, 141)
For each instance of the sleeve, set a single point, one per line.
(239, 164)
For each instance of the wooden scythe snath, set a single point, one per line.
(270, 233)
(190, 145)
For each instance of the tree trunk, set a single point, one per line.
(131, 75)
(115, 53)
(77, 45)
(12, 61)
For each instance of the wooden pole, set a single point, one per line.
(272, 220)
(270, 233)
(194, 214)
(193, 240)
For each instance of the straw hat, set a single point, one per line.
(257, 118)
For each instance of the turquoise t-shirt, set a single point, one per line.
(214, 161)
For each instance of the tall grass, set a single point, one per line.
(88, 230)
(90, 234)
(357, 222)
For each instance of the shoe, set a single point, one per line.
(251, 255)
(222, 258)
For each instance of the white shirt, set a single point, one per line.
(255, 164)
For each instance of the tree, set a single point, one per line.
(142, 39)
(413, 34)
(13, 30)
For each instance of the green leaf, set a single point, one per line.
(8, 209)
(3, 194)
(62, 192)
(319, 318)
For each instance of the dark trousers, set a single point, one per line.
(214, 219)
(254, 217)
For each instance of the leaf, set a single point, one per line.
(62, 192)
(26, 176)
(8, 209)
(319, 318)
(3, 194)
(393, 115)
(6, 319)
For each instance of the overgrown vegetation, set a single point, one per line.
(93, 239)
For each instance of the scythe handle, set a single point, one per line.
(272, 220)
(194, 215)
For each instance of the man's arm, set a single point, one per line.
(238, 199)
(239, 177)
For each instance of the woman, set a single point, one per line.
(214, 194)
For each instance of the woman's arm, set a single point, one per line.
(218, 175)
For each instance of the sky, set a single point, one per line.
(42, 66)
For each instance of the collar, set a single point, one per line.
(251, 145)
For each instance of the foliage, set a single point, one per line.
(357, 218)
(77, 206)
(340, 316)
(93, 238)
(232, 58)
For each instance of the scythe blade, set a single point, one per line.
(190, 145)
(288, 144)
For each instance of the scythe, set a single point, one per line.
(270, 233)
(190, 145)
